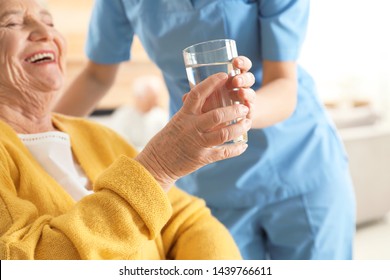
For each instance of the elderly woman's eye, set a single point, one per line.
(47, 20)
(13, 24)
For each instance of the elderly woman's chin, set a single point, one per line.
(48, 80)
(53, 83)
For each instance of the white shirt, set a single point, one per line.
(53, 152)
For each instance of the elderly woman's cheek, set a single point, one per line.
(6, 72)
(14, 76)
(2, 49)
(62, 51)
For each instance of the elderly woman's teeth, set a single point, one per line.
(41, 57)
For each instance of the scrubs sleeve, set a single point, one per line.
(283, 28)
(110, 33)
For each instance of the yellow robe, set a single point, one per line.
(128, 216)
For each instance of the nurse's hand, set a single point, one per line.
(189, 140)
(241, 83)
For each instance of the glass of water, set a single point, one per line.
(207, 58)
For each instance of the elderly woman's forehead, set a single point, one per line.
(31, 6)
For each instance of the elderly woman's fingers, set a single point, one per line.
(197, 96)
(227, 133)
(243, 63)
(221, 116)
(193, 131)
(226, 151)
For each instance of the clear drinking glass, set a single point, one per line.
(207, 58)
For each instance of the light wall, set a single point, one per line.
(347, 50)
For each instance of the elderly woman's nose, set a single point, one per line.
(40, 32)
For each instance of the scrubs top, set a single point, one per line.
(287, 159)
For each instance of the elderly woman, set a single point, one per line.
(72, 189)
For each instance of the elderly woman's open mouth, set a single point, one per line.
(41, 57)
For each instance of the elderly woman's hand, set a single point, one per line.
(239, 86)
(192, 138)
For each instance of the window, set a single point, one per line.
(347, 50)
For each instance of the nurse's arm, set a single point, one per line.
(89, 87)
(277, 97)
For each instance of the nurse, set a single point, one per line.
(289, 196)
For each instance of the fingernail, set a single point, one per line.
(239, 81)
(244, 109)
(240, 62)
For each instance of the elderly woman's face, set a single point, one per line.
(31, 50)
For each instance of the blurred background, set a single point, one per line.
(347, 50)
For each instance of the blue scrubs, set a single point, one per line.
(289, 196)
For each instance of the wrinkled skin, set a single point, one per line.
(29, 86)
(27, 89)
(193, 135)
